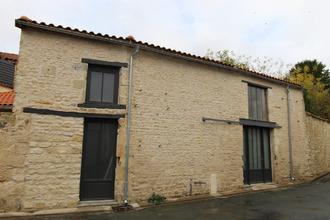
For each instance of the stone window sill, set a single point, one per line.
(101, 105)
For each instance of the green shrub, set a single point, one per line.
(156, 199)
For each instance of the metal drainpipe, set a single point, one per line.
(129, 120)
(290, 137)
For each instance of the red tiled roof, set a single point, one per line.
(130, 39)
(7, 98)
(10, 57)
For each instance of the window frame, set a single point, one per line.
(104, 70)
(258, 111)
(104, 65)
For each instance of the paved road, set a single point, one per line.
(302, 202)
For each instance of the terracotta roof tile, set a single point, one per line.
(10, 57)
(7, 98)
(157, 47)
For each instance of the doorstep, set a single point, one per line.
(263, 186)
(97, 203)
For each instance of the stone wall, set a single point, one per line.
(51, 75)
(171, 147)
(52, 164)
(170, 140)
(299, 138)
(319, 145)
(10, 164)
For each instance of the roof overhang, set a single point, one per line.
(130, 43)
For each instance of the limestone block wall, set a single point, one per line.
(52, 71)
(50, 75)
(318, 132)
(300, 147)
(10, 164)
(278, 112)
(53, 162)
(171, 145)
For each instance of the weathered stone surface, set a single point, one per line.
(4, 174)
(318, 153)
(79, 84)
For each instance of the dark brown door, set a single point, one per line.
(98, 159)
(257, 164)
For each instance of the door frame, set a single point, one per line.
(82, 180)
(246, 170)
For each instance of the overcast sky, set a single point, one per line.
(291, 30)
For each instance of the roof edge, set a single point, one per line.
(6, 108)
(7, 86)
(20, 23)
(317, 117)
(231, 68)
(9, 57)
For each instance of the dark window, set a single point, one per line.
(257, 103)
(7, 71)
(102, 84)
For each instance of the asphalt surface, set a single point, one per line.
(301, 202)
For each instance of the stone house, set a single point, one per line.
(8, 62)
(112, 119)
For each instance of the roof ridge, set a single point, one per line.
(130, 39)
